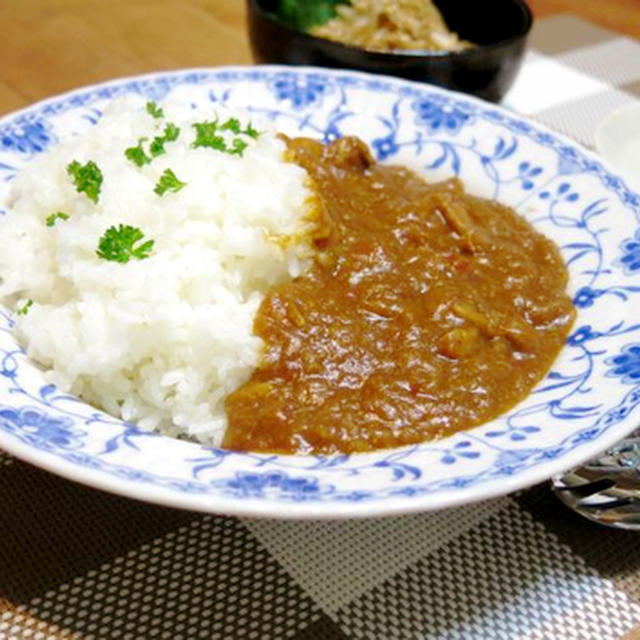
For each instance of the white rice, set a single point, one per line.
(160, 341)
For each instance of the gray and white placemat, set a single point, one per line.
(78, 563)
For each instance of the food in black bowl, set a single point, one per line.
(475, 47)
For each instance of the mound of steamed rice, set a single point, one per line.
(159, 341)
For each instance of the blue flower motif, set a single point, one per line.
(613, 182)
(545, 138)
(582, 335)
(260, 485)
(626, 365)
(301, 91)
(631, 198)
(568, 152)
(563, 192)
(385, 147)
(527, 173)
(630, 260)
(42, 427)
(437, 113)
(585, 436)
(459, 451)
(585, 296)
(332, 133)
(26, 137)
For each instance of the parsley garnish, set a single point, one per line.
(251, 132)
(137, 155)
(168, 182)
(171, 133)
(157, 147)
(24, 308)
(208, 135)
(117, 244)
(154, 110)
(59, 215)
(232, 124)
(304, 14)
(87, 178)
(237, 146)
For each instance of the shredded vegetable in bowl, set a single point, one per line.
(388, 25)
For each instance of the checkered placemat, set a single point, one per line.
(78, 563)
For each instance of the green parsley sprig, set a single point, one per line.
(87, 178)
(170, 134)
(154, 110)
(168, 182)
(137, 154)
(208, 134)
(233, 125)
(23, 309)
(251, 132)
(54, 217)
(120, 244)
(140, 157)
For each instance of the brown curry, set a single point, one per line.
(426, 311)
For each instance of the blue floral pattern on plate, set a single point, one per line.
(26, 136)
(626, 365)
(589, 399)
(630, 259)
(438, 113)
(301, 92)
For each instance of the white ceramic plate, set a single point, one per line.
(588, 400)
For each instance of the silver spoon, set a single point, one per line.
(607, 488)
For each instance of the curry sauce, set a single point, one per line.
(426, 311)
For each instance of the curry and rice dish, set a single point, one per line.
(211, 279)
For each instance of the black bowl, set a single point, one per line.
(499, 28)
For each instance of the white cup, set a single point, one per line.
(617, 139)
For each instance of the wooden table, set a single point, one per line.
(618, 15)
(51, 46)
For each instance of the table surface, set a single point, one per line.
(77, 563)
(49, 47)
